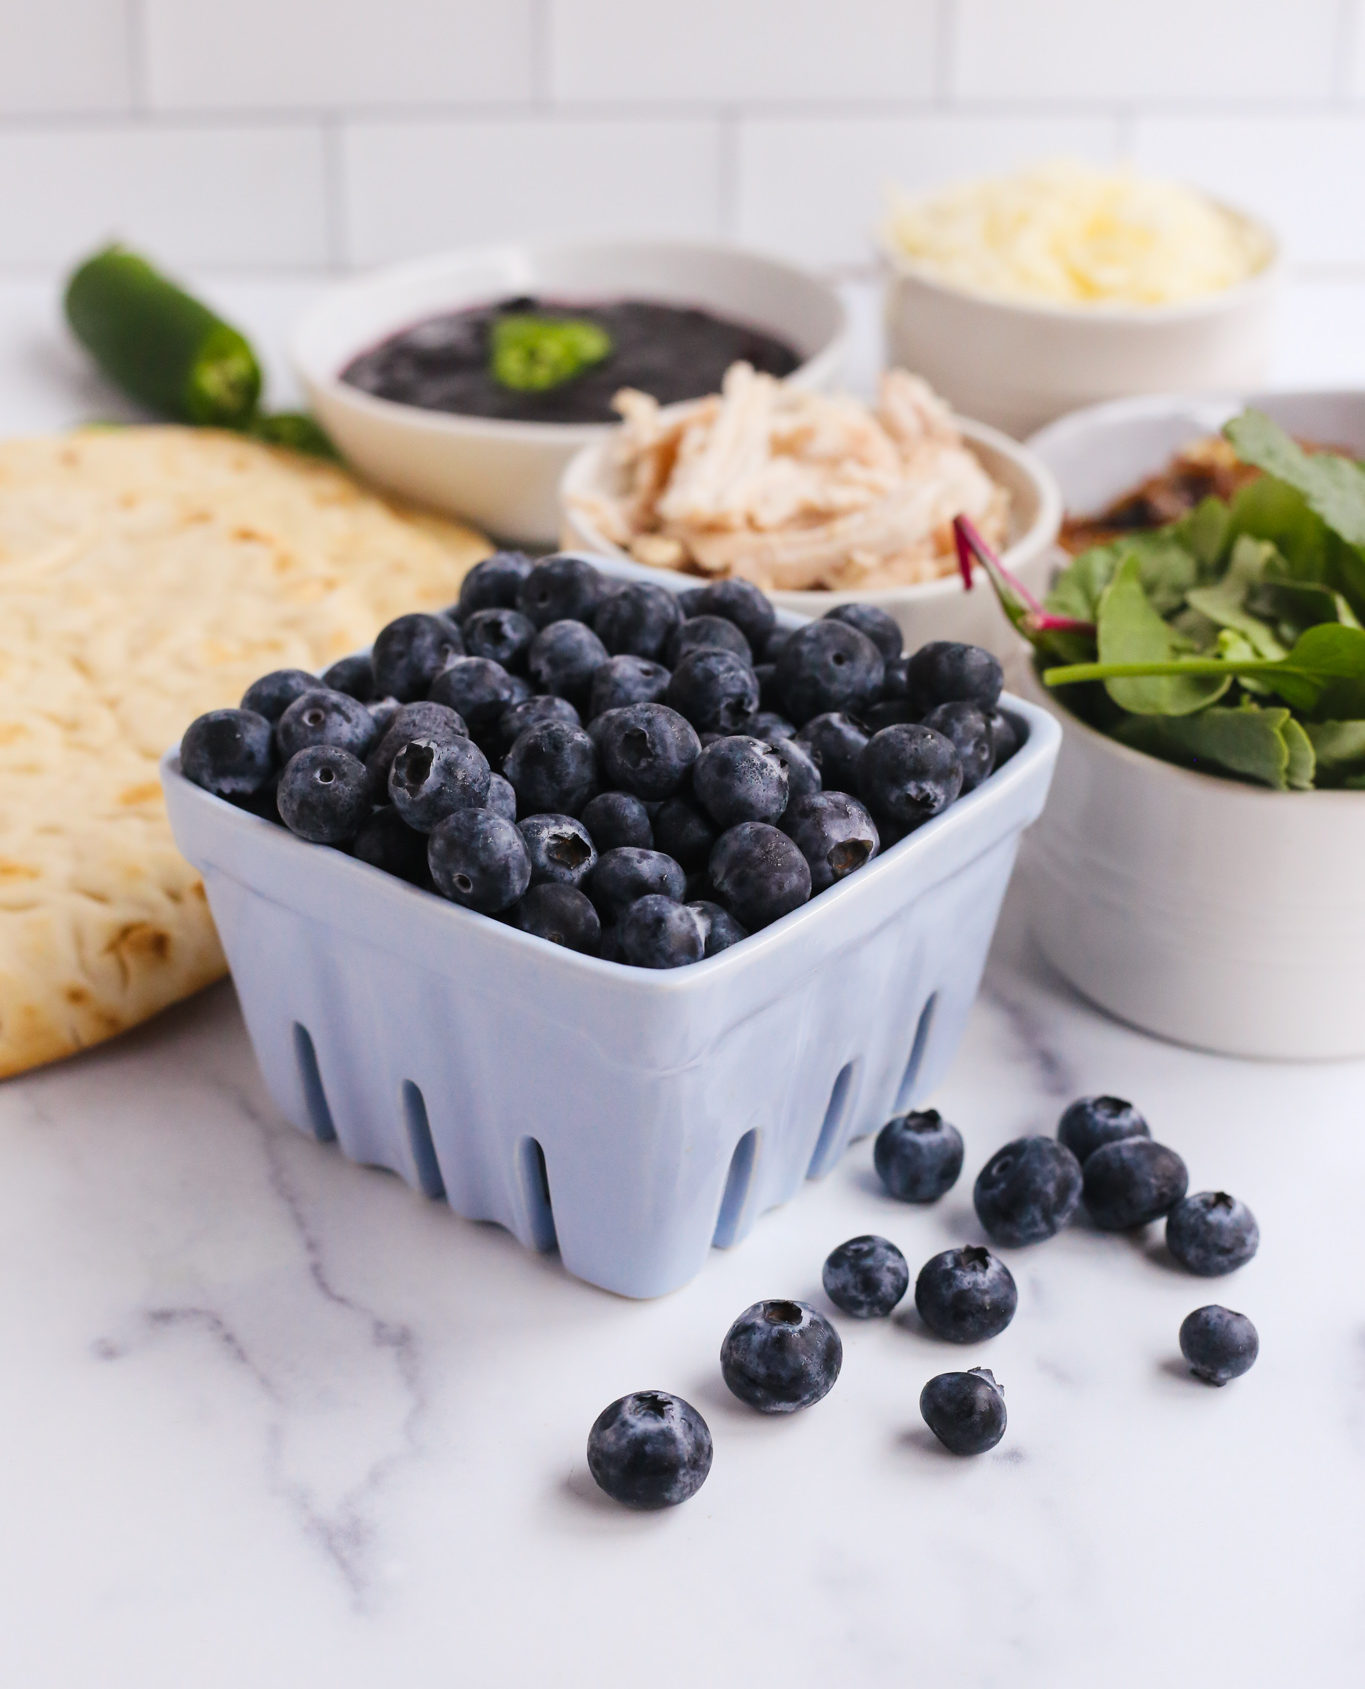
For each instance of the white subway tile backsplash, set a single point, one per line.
(815, 189)
(1095, 50)
(64, 56)
(747, 51)
(309, 54)
(1302, 174)
(417, 187)
(233, 197)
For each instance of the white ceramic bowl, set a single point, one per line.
(504, 475)
(1207, 911)
(1019, 365)
(939, 609)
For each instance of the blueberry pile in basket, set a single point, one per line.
(634, 773)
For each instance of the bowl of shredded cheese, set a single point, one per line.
(1021, 297)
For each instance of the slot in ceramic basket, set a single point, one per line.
(632, 1118)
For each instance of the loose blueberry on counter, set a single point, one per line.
(324, 794)
(553, 767)
(479, 860)
(420, 720)
(560, 589)
(563, 658)
(700, 633)
(649, 1450)
(967, 728)
(625, 680)
(965, 1410)
(759, 874)
(834, 833)
(618, 818)
(656, 932)
(909, 774)
(386, 841)
(720, 927)
(1132, 1182)
(866, 1277)
(1091, 1122)
(637, 620)
(494, 583)
(883, 630)
(1219, 1344)
(561, 915)
(623, 875)
(828, 666)
(273, 693)
(803, 777)
(502, 797)
(1212, 1233)
(738, 601)
(410, 652)
(683, 832)
(560, 849)
(230, 753)
(1027, 1191)
(715, 690)
(918, 1157)
(738, 778)
(966, 1295)
(353, 676)
(481, 691)
(530, 712)
(326, 718)
(780, 1356)
(503, 636)
(430, 779)
(646, 749)
(944, 672)
(835, 743)
(1004, 738)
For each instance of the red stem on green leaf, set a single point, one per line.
(969, 544)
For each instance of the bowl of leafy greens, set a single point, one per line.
(1200, 869)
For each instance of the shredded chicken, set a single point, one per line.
(794, 490)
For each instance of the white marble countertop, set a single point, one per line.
(272, 1419)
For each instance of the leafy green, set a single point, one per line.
(1130, 632)
(1334, 487)
(1339, 747)
(1225, 603)
(1248, 743)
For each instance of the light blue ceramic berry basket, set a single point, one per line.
(631, 1118)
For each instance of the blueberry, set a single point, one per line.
(230, 753)
(700, 633)
(561, 915)
(896, 682)
(685, 833)
(553, 767)
(324, 794)
(563, 659)
(494, 583)
(649, 1450)
(352, 675)
(420, 720)
(656, 932)
(918, 1156)
(909, 774)
(970, 733)
(560, 589)
(618, 818)
(715, 690)
(559, 847)
(626, 680)
(769, 696)
(719, 926)
(1004, 738)
(834, 743)
(1132, 1182)
(966, 1295)
(828, 666)
(1219, 1344)
(1212, 1233)
(326, 718)
(410, 652)
(888, 712)
(623, 875)
(273, 693)
(646, 749)
(803, 777)
(759, 874)
(503, 636)
(636, 620)
(430, 779)
(1027, 1191)
(769, 725)
(866, 1277)
(944, 672)
(479, 860)
(834, 833)
(964, 1410)
(383, 710)
(740, 779)
(781, 1356)
(739, 602)
(502, 797)
(883, 630)
(516, 718)
(1090, 1122)
(770, 648)
(385, 841)
(481, 691)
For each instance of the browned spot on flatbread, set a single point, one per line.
(148, 792)
(17, 871)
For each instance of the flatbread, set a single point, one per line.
(147, 575)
